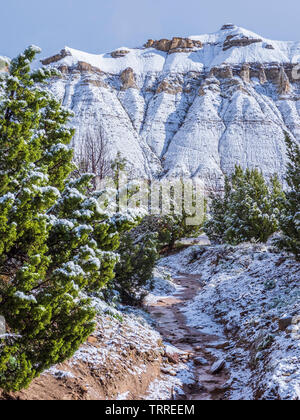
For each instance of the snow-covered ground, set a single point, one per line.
(170, 383)
(124, 359)
(250, 299)
(118, 331)
(252, 296)
(166, 387)
(163, 285)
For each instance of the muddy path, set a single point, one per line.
(172, 325)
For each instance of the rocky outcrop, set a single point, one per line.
(63, 69)
(128, 79)
(262, 76)
(161, 45)
(245, 73)
(170, 86)
(283, 82)
(227, 26)
(119, 53)
(239, 41)
(196, 114)
(84, 67)
(55, 58)
(210, 84)
(174, 45)
(222, 72)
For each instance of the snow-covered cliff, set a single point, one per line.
(188, 106)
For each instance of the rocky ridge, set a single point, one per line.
(191, 106)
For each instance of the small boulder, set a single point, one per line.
(128, 79)
(172, 357)
(219, 345)
(232, 327)
(200, 361)
(285, 322)
(200, 387)
(119, 53)
(92, 340)
(217, 366)
(168, 371)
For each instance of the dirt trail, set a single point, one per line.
(171, 323)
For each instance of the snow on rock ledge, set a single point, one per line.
(191, 106)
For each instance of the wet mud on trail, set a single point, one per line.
(172, 325)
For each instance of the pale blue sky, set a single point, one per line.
(102, 25)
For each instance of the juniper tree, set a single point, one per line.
(290, 219)
(251, 213)
(250, 208)
(138, 248)
(186, 204)
(55, 240)
(215, 226)
(134, 272)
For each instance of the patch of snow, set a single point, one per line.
(60, 374)
(247, 289)
(163, 286)
(122, 397)
(168, 386)
(22, 296)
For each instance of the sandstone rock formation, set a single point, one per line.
(188, 106)
(174, 45)
(128, 79)
(283, 82)
(119, 53)
(239, 41)
(55, 58)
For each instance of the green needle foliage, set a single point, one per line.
(290, 220)
(55, 241)
(248, 210)
(134, 272)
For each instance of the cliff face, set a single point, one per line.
(188, 106)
